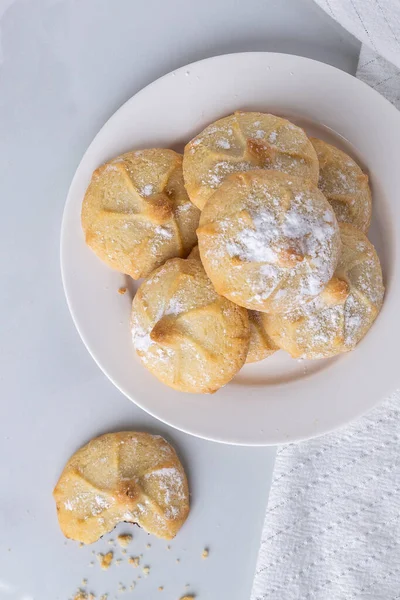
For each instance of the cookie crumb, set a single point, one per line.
(84, 581)
(82, 595)
(146, 570)
(132, 586)
(121, 587)
(105, 560)
(122, 291)
(178, 560)
(148, 546)
(91, 564)
(205, 553)
(104, 597)
(118, 561)
(124, 540)
(134, 561)
(161, 588)
(187, 598)
(110, 542)
(168, 547)
(123, 551)
(81, 544)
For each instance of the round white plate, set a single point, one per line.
(279, 399)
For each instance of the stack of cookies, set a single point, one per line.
(273, 225)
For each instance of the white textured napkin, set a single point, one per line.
(332, 528)
(375, 22)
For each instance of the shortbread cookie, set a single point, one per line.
(344, 185)
(342, 314)
(136, 213)
(268, 241)
(241, 142)
(127, 476)
(261, 346)
(187, 335)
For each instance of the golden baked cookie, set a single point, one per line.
(261, 346)
(344, 185)
(342, 314)
(187, 335)
(136, 213)
(242, 142)
(268, 241)
(126, 476)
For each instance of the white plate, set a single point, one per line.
(277, 400)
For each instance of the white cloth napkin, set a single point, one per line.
(332, 528)
(375, 23)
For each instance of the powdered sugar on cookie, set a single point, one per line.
(337, 319)
(282, 235)
(180, 324)
(241, 142)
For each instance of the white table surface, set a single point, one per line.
(65, 67)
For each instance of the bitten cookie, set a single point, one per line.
(126, 476)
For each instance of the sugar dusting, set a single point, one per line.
(344, 184)
(273, 137)
(164, 232)
(215, 176)
(95, 503)
(322, 328)
(300, 231)
(203, 316)
(223, 143)
(147, 190)
(171, 481)
(141, 335)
